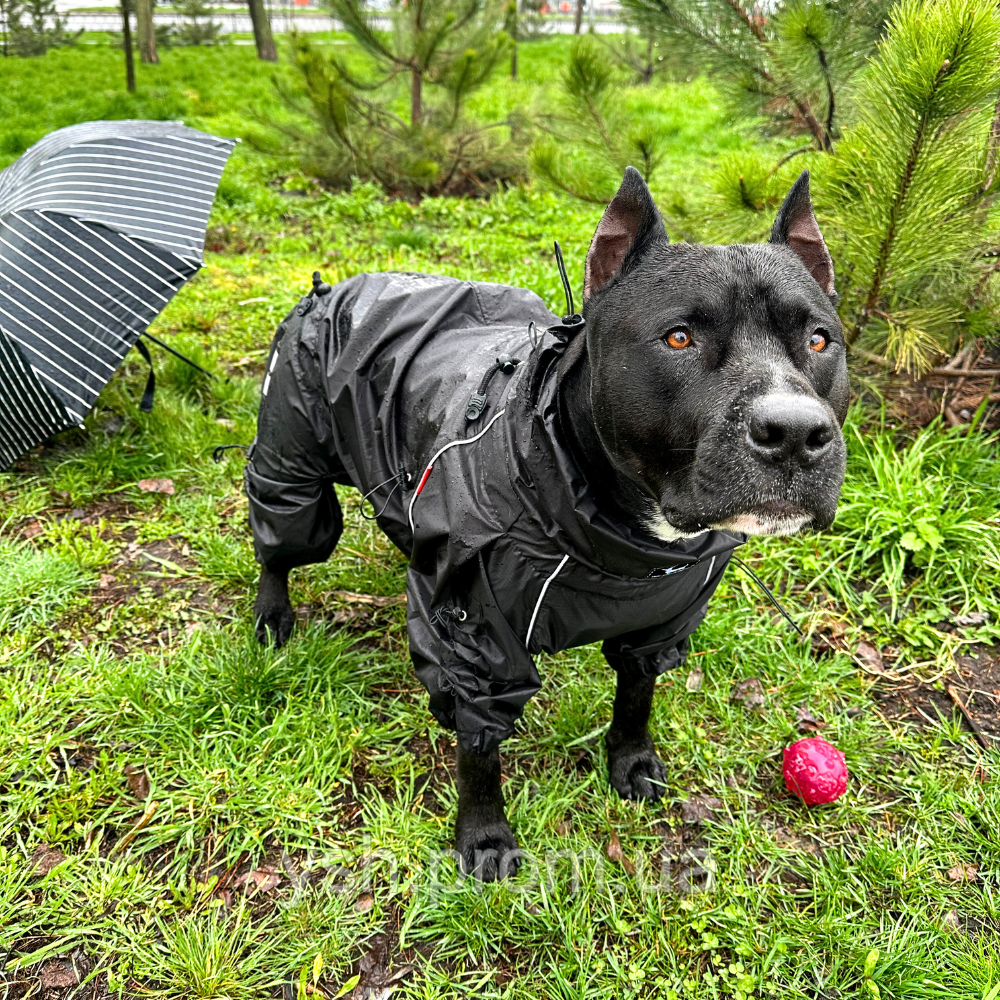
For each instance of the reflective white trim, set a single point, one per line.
(708, 577)
(541, 597)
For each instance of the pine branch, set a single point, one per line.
(896, 208)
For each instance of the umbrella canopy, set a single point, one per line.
(100, 224)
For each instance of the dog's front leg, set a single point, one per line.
(482, 834)
(633, 767)
(272, 610)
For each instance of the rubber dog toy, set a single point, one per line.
(815, 771)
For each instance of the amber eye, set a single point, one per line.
(679, 339)
(817, 342)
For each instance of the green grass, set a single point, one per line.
(146, 736)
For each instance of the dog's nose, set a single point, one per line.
(785, 427)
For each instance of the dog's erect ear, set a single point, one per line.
(796, 227)
(629, 224)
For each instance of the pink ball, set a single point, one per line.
(815, 771)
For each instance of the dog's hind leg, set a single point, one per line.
(483, 837)
(633, 767)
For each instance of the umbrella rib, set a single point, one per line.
(127, 291)
(61, 299)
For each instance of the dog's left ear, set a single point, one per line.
(797, 228)
(629, 224)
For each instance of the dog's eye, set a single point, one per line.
(817, 342)
(679, 339)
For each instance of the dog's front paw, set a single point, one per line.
(274, 623)
(635, 771)
(487, 850)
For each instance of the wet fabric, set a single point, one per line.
(369, 385)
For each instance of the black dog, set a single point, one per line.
(557, 482)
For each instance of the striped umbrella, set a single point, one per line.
(100, 224)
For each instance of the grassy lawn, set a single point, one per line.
(184, 814)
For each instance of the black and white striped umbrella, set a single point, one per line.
(100, 224)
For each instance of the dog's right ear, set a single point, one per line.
(796, 227)
(629, 224)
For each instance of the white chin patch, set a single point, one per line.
(757, 524)
(664, 530)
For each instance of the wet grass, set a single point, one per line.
(186, 814)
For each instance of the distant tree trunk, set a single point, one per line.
(127, 33)
(146, 31)
(578, 17)
(416, 97)
(262, 32)
(512, 30)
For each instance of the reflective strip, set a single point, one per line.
(439, 453)
(711, 566)
(541, 597)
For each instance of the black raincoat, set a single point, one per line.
(370, 385)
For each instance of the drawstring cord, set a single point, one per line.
(219, 452)
(399, 479)
(572, 317)
(477, 401)
(767, 591)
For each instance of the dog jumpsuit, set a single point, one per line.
(391, 383)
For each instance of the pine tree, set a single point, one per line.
(912, 183)
(593, 135)
(32, 27)
(440, 51)
(790, 62)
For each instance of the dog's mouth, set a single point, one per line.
(776, 517)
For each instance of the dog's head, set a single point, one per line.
(718, 373)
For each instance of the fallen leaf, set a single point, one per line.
(615, 853)
(137, 781)
(807, 722)
(694, 679)
(698, 808)
(963, 872)
(749, 693)
(565, 827)
(57, 975)
(106, 580)
(364, 902)
(45, 858)
(156, 486)
(35, 528)
(869, 656)
(226, 896)
(226, 422)
(260, 880)
(975, 618)
(952, 921)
